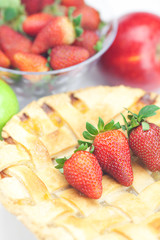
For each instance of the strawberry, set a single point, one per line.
(4, 60)
(30, 62)
(58, 31)
(111, 150)
(35, 22)
(66, 56)
(82, 171)
(72, 3)
(36, 6)
(89, 40)
(144, 137)
(90, 17)
(12, 42)
(32, 6)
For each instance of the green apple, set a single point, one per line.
(8, 104)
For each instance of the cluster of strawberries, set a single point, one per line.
(110, 152)
(54, 35)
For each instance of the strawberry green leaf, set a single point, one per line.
(10, 14)
(129, 117)
(82, 147)
(109, 125)
(116, 126)
(148, 111)
(134, 114)
(123, 127)
(84, 142)
(145, 126)
(102, 25)
(125, 121)
(59, 166)
(92, 149)
(87, 135)
(100, 124)
(77, 20)
(78, 31)
(70, 12)
(49, 51)
(61, 160)
(126, 124)
(49, 59)
(98, 46)
(91, 129)
(134, 122)
(47, 64)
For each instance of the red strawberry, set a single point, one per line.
(58, 31)
(12, 42)
(144, 137)
(111, 150)
(90, 17)
(32, 6)
(30, 62)
(66, 56)
(89, 41)
(72, 3)
(82, 171)
(35, 22)
(4, 60)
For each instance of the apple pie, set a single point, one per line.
(38, 194)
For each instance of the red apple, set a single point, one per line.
(134, 57)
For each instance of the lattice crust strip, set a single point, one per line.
(38, 194)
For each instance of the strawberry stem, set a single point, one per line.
(61, 161)
(102, 25)
(76, 21)
(139, 119)
(99, 44)
(91, 132)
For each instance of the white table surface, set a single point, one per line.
(10, 227)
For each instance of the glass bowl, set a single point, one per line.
(61, 80)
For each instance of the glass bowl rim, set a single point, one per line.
(114, 24)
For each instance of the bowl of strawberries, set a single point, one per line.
(45, 45)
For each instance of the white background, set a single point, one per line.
(10, 228)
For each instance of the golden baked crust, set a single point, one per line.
(38, 194)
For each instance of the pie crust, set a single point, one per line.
(38, 194)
